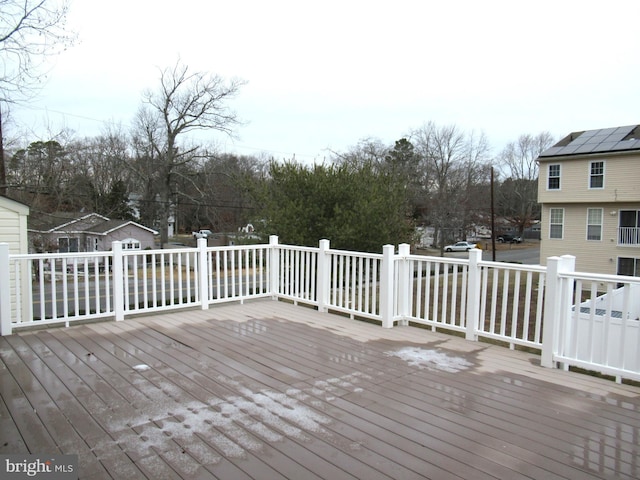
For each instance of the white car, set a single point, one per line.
(460, 247)
(202, 234)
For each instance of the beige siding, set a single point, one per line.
(13, 230)
(621, 179)
(591, 255)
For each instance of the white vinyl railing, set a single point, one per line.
(432, 291)
(600, 323)
(511, 303)
(354, 283)
(235, 273)
(574, 319)
(628, 236)
(296, 269)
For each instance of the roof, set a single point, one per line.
(110, 225)
(14, 205)
(615, 139)
(79, 222)
(63, 221)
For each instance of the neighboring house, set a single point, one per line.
(85, 232)
(589, 188)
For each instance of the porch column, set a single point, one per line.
(567, 264)
(386, 286)
(405, 283)
(323, 275)
(118, 281)
(274, 266)
(557, 307)
(474, 280)
(203, 274)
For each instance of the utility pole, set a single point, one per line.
(493, 222)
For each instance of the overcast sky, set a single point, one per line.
(324, 75)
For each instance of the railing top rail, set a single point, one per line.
(295, 247)
(159, 250)
(242, 247)
(513, 266)
(356, 254)
(49, 256)
(431, 258)
(600, 277)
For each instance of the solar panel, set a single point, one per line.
(586, 148)
(596, 141)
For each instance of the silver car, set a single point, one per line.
(460, 247)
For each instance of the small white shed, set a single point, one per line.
(13, 234)
(13, 225)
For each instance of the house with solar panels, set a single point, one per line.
(589, 191)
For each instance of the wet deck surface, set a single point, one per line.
(271, 390)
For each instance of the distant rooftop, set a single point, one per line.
(616, 139)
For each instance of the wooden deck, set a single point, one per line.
(270, 390)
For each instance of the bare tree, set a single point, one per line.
(30, 30)
(454, 166)
(518, 196)
(99, 182)
(185, 102)
(40, 175)
(216, 194)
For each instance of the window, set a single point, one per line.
(91, 244)
(556, 220)
(629, 266)
(130, 244)
(554, 177)
(68, 244)
(594, 224)
(629, 227)
(596, 175)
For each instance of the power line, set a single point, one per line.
(129, 125)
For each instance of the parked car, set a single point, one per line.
(202, 234)
(460, 247)
(508, 238)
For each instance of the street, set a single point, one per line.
(527, 253)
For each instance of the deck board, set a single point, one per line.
(273, 390)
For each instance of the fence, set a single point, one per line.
(572, 318)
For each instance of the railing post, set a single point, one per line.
(567, 264)
(551, 312)
(203, 274)
(118, 281)
(5, 291)
(474, 279)
(405, 284)
(386, 286)
(557, 307)
(274, 267)
(324, 275)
